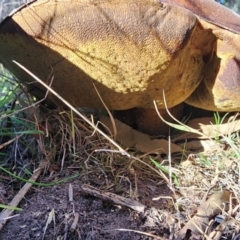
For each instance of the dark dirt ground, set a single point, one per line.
(97, 218)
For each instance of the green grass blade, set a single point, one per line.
(10, 207)
(37, 183)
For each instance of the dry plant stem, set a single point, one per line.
(109, 113)
(123, 152)
(189, 129)
(70, 193)
(74, 224)
(10, 141)
(16, 200)
(111, 197)
(170, 161)
(51, 217)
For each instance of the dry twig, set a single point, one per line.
(5, 214)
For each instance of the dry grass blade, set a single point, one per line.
(74, 224)
(51, 217)
(109, 113)
(121, 150)
(70, 193)
(10, 141)
(180, 125)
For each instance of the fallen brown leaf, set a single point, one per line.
(207, 209)
(201, 145)
(129, 137)
(209, 129)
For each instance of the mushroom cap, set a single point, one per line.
(210, 11)
(130, 51)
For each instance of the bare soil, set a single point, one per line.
(97, 218)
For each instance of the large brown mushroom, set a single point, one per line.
(130, 50)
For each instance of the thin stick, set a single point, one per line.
(111, 197)
(10, 141)
(109, 113)
(5, 214)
